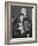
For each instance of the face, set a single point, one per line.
(27, 25)
(21, 17)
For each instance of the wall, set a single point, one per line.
(2, 22)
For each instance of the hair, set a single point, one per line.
(18, 17)
(21, 14)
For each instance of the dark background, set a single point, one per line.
(16, 10)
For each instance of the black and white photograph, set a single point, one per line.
(21, 21)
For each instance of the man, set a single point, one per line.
(28, 27)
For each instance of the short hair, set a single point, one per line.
(21, 14)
